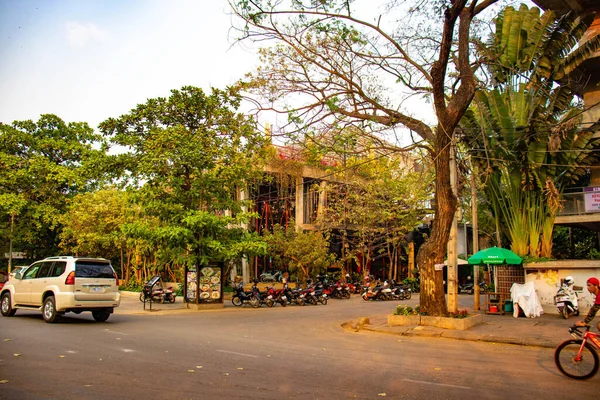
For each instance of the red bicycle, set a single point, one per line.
(578, 358)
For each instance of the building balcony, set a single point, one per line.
(581, 208)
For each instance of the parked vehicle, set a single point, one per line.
(379, 292)
(469, 288)
(57, 285)
(400, 291)
(154, 291)
(274, 296)
(271, 276)
(3, 278)
(240, 297)
(566, 299)
(294, 296)
(169, 295)
(314, 294)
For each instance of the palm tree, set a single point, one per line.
(525, 132)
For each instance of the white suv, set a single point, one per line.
(57, 285)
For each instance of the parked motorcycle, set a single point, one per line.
(275, 296)
(154, 291)
(240, 297)
(379, 292)
(155, 295)
(566, 298)
(168, 295)
(469, 288)
(294, 296)
(271, 276)
(400, 291)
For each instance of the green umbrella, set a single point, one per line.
(495, 255)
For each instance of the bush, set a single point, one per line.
(413, 283)
(403, 309)
(131, 286)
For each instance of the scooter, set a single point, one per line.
(566, 299)
(469, 288)
(168, 295)
(379, 292)
(271, 276)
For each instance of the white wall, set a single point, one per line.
(547, 282)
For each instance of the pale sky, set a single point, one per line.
(88, 60)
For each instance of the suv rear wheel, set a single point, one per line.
(100, 315)
(5, 306)
(49, 310)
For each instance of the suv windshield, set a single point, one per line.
(93, 269)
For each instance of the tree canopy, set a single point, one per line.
(42, 165)
(344, 65)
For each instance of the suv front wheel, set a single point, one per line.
(49, 310)
(5, 306)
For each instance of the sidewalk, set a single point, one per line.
(549, 330)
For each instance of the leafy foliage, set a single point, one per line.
(303, 253)
(42, 165)
(524, 132)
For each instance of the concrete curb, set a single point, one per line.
(363, 324)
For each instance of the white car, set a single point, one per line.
(57, 285)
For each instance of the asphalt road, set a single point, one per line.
(279, 353)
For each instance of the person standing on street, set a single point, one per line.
(593, 286)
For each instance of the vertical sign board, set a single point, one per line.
(210, 284)
(204, 284)
(592, 199)
(191, 285)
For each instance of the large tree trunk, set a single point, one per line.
(433, 251)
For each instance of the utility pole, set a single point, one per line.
(476, 304)
(10, 242)
(453, 241)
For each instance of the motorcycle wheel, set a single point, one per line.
(236, 301)
(346, 295)
(565, 313)
(584, 368)
(313, 300)
(283, 303)
(172, 299)
(323, 300)
(269, 302)
(301, 302)
(255, 302)
(407, 295)
(365, 297)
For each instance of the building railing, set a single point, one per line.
(580, 201)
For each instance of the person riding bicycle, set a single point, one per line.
(593, 286)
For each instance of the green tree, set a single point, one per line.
(525, 132)
(187, 158)
(374, 204)
(349, 68)
(303, 253)
(42, 165)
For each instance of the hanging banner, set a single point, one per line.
(592, 199)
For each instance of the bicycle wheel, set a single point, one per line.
(567, 361)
